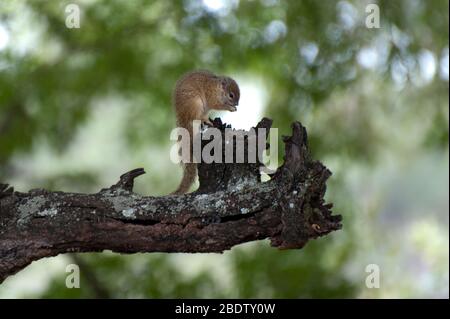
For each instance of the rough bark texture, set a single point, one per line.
(230, 207)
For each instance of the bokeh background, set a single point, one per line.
(79, 107)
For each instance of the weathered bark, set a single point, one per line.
(230, 207)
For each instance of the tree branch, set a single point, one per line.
(230, 207)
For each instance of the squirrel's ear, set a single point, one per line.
(223, 83)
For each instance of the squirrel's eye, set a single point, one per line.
(231, 95)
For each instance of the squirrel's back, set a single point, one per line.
(192, 84)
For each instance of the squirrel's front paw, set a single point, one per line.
(207, 122)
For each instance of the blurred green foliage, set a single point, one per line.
(310, 57)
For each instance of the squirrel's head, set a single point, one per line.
(231, 93)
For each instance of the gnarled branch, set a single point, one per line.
(231, 206)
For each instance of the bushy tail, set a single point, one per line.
(189, 174)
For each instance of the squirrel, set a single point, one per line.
(194, 95)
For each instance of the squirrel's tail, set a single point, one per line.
(189, 168)
(189, 174)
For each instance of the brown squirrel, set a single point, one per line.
(194, 95)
